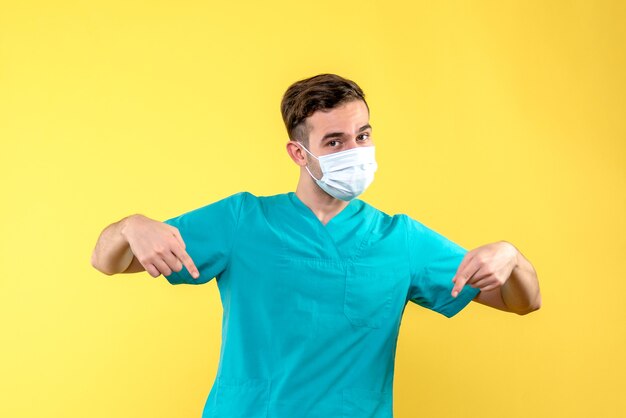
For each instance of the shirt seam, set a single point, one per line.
(419, 281)
(410, 258)
(236, 233)
(174, 277)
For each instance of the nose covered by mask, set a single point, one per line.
(346, 174)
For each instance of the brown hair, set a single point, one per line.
(320, 92)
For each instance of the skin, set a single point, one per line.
(137, 243)
(507, 280)
(348, 119)
(505, 277)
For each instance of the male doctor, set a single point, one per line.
(314, 282)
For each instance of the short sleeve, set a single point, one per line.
(209, 233)
(434, 260)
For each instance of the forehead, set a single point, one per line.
(348, 118)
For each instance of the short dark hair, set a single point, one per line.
(320, 92)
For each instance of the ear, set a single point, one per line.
(296, 153)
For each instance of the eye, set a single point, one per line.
(332, 143)
(367, 136)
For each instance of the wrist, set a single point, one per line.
(518, 260)
(126, 224)
(516, 255)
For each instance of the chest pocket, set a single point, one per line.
(371, 294)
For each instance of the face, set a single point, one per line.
(340, 129)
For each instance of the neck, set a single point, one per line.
(324, 206)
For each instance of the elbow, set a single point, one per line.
(94, 264)
(531, 308)
(94, 261)
(528, 310)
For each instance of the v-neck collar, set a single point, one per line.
(345, 213)
(344, 234)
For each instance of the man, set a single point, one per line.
(314, 283)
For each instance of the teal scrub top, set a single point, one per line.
(311, 312)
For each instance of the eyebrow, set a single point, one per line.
(340, 134)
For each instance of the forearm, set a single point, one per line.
(112, 253)
(521, 291)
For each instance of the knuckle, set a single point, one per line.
(175, 241)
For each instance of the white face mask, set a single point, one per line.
(346, 174)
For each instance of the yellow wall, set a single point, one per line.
(493, 120)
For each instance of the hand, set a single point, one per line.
(158, 246)
(486, 267)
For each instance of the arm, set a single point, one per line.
(112, 253)
(138, 243)
(507, 280)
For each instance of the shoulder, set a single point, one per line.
(383, 219)
(401, 222)
(250, 199)
(234, 201)
(253, 205)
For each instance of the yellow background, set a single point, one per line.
(493, 120)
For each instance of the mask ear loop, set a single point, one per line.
(306, 166)
(307, 150)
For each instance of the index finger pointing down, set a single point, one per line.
(464, 273)
(187, 262)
